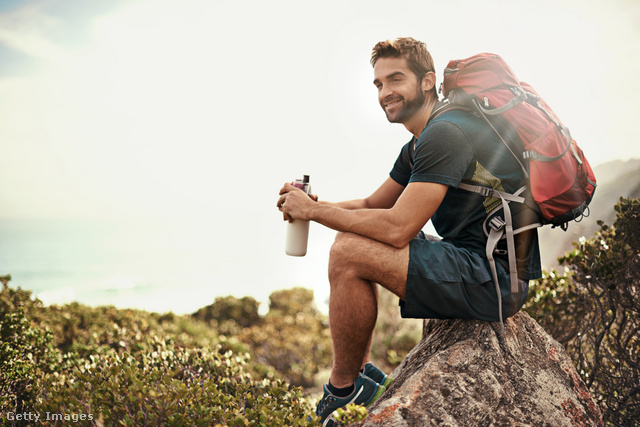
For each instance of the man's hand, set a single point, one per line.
(295, 203)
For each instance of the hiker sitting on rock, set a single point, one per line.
(380, 239)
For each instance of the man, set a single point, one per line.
(377, 243)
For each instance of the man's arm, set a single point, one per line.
(383, 198)
(396, 225)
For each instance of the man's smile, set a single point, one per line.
(391, 104)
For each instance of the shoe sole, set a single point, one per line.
(387, 382)
(381, 389)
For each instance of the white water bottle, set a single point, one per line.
(298, 230)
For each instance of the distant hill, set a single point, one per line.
(615, 179)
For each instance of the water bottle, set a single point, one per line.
(298, 230)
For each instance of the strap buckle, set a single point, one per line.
(497, 223)
(485, 191)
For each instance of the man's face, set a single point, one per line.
(399, 92)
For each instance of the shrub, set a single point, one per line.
(351, 414)
(292, 302)
(27, 353)
(104, 366)
(293, 337)
(172, 386)
(393, 336)
(81, 329)
(594, 310)
(243, 311)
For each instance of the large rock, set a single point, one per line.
(465, 373)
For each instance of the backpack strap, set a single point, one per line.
(511, 149)
(501, 229)
(439, 108)
(519, 96)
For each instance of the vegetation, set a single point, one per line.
(293, 338)
(226, 365)
(593, 309)
(394, 337)
(104, 366)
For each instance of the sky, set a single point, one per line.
(196, 112)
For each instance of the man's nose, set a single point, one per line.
(384, 92)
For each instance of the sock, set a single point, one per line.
(340, 392)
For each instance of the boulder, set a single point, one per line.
(466, 373)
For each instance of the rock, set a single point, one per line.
(465, 373)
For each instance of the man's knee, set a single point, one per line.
(343, 250)
(344, 239)
(342, 245)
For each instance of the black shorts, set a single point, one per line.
(448, 282)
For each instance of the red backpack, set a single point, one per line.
(561, 180)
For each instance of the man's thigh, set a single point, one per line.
(371, 260)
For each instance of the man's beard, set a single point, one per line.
(409, 107)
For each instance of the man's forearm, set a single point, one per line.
(395, 224)
(383, 198)
(349, 204)
(377, 224)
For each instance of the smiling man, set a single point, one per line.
(380, 239)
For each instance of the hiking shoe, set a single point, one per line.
(366, 392)
(377, 375)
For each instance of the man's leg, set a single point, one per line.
(367, 352)
(356, 264)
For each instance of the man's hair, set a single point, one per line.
(415, 52)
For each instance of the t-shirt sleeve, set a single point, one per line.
(401, 171)
(443, 154)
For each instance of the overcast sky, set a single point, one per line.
(199, 110)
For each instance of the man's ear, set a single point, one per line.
(428, 81)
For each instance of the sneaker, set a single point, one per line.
(366, 392)
(377, 375)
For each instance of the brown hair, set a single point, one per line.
(415, 52)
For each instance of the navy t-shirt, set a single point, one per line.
(456, 147)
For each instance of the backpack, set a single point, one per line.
(560, 180)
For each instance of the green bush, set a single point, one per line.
(291, 302)
(109, 366)
(351, 414)
(27, 353)
(85, 330)
(172, 386)
(594, 310)
(241, 311)
(293, 337)
(393, 336)
(104, 366)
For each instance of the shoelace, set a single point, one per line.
(324, 403)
